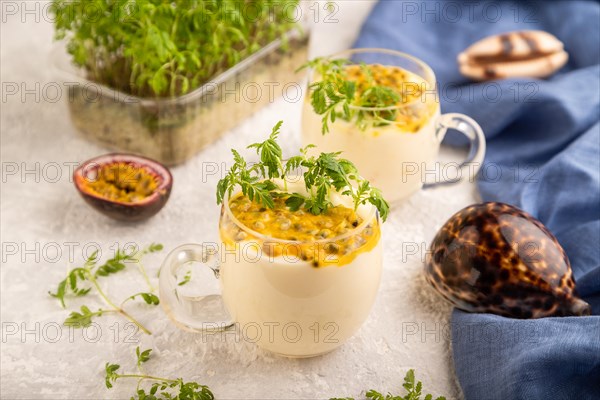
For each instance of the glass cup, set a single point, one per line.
(294, 298)
(398, 157)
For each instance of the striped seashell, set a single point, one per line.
(520, 54)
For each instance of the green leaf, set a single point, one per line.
(413, 391)
(111, 374)
(293, 163)
(409, 380)
(92, 258)
(270, 152)
(154, 247)
(159, 82)
(82, 319)
(295, 201)
(374, 395)
(112, 266)
(186, 278)
(60, 292)
(70, 285)
(150, 298)
(142, 356)
(117, 263)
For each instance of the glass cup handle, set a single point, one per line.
(183, 281)
(469, 168)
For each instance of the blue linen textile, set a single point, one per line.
(549, 132)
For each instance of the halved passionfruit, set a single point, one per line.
(125, 187)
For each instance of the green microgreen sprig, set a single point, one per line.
(81, 280)
(335, 96)
(322, 174)
(413, 391)
(161, 388)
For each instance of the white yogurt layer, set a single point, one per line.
(392, 160)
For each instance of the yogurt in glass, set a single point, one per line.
(395, 147)
(301, 283)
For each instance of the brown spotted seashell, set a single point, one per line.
(495, 258)
(521, 54)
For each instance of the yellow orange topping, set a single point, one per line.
(415, 106)
(331, 238)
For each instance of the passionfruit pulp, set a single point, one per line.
(125, 187)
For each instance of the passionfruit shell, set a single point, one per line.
(121, 210)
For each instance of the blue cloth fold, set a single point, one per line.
(543, 156)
